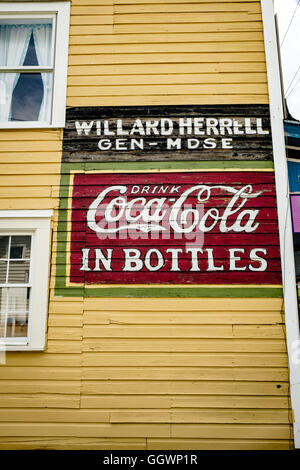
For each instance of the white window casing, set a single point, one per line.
(60, 14)
(37, 224)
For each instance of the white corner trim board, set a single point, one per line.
(284, 216)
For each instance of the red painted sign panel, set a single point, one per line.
(184, 227)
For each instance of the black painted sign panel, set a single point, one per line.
(162, 133)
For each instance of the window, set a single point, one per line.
(24, 264)
(33, 64)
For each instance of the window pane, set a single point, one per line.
(14, 308)
(4, 247)
(25, 96)
(20, 247)
(18, 272)
(29, 43)
(31, 97)
(3, 271)
(31, 57)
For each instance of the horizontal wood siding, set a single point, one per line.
(136, 373)
(155, 52)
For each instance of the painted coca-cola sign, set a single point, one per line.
(173, 228)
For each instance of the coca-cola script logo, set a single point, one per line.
(159, 213)
(184, 228)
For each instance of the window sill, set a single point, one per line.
(11, 347)
(31, 125)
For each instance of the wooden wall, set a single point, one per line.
(147, 373)
(141, 52)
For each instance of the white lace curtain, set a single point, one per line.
(42, 38)
(14, 41)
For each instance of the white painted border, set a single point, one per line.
(284, 213)
(38, 224)
(62, 12)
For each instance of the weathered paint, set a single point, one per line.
(162, 133)
(148, 373)
(229, 237)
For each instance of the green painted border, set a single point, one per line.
(62, 290)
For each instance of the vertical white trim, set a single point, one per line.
(61, 64)
(284, 215)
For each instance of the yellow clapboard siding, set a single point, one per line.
(131, 90)
(185, 305)
(187, 373)
(67, 333)
(57, 416)
(142, 48)
(217, 444)
(25, 192)
(99, 2)
(31, 169)
(236, 431)
(175, 402)
(136, 2)
(149, 444)
(203, 331)
(65, 320)
(102, 80)
(166, 38)
(245, 26)
(155, 69)
(93, 430)
(30, 145)
(127, 401)
(57, 346)
(188, 57)
(28, 203)
(72, 443)
(93, 10)
(206, 431)
(40, 373)
(161, 387)
(22, 135)
(190, 318)
(152, 100)
(164, 7)
(31, 157)
(29, 180)
(40, 386)
(170, 99)
(40, 359)
(230, 402)
(92, 360)
(96, 29)
(182, 345)
(203, 416)
(164, 18)
(37, 400)
(101, 20)
(150, 7)
(65, 307)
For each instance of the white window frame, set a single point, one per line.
(60, 12)
(38, 224)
